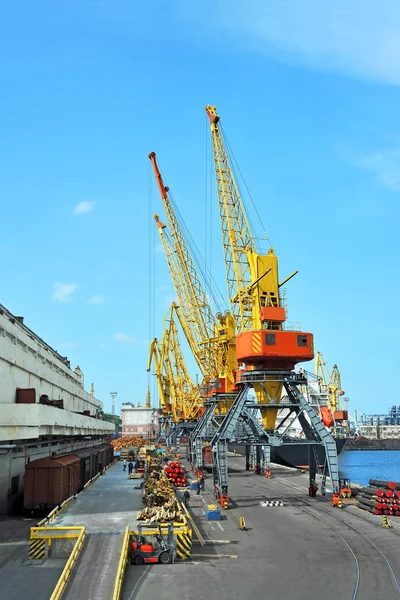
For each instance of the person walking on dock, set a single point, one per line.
(198, 486)
(202, 483)
(124, 463)
(186, 498)
(130, 467)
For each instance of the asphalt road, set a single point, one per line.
(106, 508)
(21, 579)
(305, 550)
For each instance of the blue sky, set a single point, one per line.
(308, 96)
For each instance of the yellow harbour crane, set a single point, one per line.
(329, 381)
(254, 289)
(265, 345)
(179, 396)
(211, 339)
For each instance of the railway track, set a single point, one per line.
(366, 554)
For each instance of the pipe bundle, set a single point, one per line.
(380, 498)
(176, 474)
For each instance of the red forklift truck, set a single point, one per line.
(151, 551)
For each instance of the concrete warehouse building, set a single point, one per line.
(44, 409)
(139, 420)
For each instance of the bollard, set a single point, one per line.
(386, 522)
(242, 524)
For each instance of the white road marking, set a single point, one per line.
(14, 543)
(220, 526)
(138, 581)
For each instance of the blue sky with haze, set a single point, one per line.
(308, 95)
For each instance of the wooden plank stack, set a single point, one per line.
(158, 496)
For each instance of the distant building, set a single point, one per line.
(380, 432)
(139, 420)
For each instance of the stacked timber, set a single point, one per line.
(158, 497)
(380, 498)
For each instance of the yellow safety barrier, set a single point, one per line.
(50, 517)
(184, 545)
(242, 523)
(62, 582)
(56, 533)
(89, 483)
(121, 566)
(37, 549)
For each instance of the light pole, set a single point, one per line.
(113, 396)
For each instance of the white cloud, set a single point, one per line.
(83, 207)
(358, 38)
(123, 338)
(63, 291)
(385, 165)
(96, 300)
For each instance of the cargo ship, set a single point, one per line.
(292, 454)
(298, 455)
(295, 455)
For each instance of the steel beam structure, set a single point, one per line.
(241, 426)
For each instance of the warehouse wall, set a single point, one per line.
(26, 362)
(13, 461)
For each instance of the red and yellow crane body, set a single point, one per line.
(262, 343)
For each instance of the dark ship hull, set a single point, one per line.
(291, 455)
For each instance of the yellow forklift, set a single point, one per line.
(344, 487)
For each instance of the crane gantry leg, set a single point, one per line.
(200, 434)
(315, 432)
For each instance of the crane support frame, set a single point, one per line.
(314, 430)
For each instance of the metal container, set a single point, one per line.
(26, 396)
(88, 465)
(50, 481)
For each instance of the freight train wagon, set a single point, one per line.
(51, 480)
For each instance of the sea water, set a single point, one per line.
(362, 465)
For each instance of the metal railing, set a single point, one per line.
(121, 566)
(73, 557)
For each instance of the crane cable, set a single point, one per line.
(199, 261)
(233, 164)
(151, 382)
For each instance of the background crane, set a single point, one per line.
(211, 339)
(179, 396)
(330, 381)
